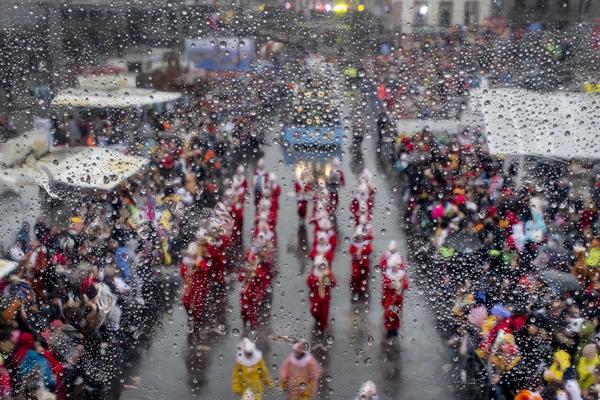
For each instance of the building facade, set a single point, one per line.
(414, 15)
(548, 11)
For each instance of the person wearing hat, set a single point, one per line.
(586, 365)
(335, 180)
(322, 246)
(239, 183)
(321, 194)
(250, 372)
(364, 224)
(300, 373)
(303, 188)
(561, 360)
(368, 391)
(248, 395)
(360, 203)
(325, 225)
(275, 190)
(217, 250)
(392, 250)
(369, 179)
(34, 362)
(259, 181)
(526, 394)
(196, 281)
(254, 292)
(234, 205)
(360, 250)
(5, 381)
(321, 210)
(320, 281)
(394, 285)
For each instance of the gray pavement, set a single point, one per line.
(173, 367)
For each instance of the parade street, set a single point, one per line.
(355, 348)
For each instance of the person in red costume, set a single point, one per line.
(322, 247)
(234, 202)
(254, 293)
(320, 281)
(325, 225)
(263, 232)
(186, 263)
(196, 287)
(369, 179)
(239, 183)
(335, 181)
(275, 190)
(360, 250)
(394, 285)
(360, 203)
(392, 249)
(303, 187)
(266, 253)
(320, 212)
(365, 226)
(321, 198)
(267, 212)
(217, 260)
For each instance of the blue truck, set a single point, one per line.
(315, 123)
(314, 136)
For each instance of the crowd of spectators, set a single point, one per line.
(428, 75)
(91, 279)
(214, 112)
(516, 264)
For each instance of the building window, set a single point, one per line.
(134, 66)
(395, 11)
(471, 12)
(445, 14)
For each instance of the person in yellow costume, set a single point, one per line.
(250, 371)
(593, 258)
(586, 365)
(560, 362)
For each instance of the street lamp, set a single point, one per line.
(340, 8)
(423, 10)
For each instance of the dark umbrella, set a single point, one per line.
(552, 258)
(418, 157)
(553, 255)
(463, 242)
(559, 280)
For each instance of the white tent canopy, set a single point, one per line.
(412, 126)
(91, 167)
(563, 125)
(112, 98)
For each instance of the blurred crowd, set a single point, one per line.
(213, 112)
(518, 265)
(91, 278)
(427, 76)
(82, 291)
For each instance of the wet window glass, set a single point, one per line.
(300, 199)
